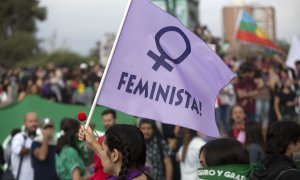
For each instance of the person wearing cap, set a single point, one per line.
(43, 152)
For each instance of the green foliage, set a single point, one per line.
(66, 58)
(19, 46)
(17, 28)
(59, 58)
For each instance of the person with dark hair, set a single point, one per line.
(297, 65)
(43, 152)
(238, 119)
(254, 142)
(173, 136)
(282, 142)
(286, 100)
(262, 106)
(69, 165)
(224, 159)
(188, 154)
(109, 118)
(223, 151)
(158, 153)
(247, 90)
(123, 152)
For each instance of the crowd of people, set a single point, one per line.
(75, 85)
(257, 114)
(148, 150)
(265, 87)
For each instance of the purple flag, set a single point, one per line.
(162, 71)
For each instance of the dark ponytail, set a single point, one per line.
(69, 129)
(128, 140)
(125, 163)
(188, 135)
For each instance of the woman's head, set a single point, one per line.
(69, 129)
(283, 138)
(238, 117)
(223, 151)
(247, 69)
(123, 149)
(149, 129)
(33, 89)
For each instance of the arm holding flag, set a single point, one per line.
(87, 135)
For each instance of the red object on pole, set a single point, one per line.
(81, 116)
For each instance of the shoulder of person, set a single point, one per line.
(19, 137)
(144, 176)
(290, 174)
(196, 143)
(198, 140)
(69, 150)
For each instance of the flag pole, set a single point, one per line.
(237, 23)
(107, 66)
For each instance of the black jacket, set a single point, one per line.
(277, 167)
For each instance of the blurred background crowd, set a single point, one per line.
(265, 90)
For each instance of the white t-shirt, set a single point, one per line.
(16, 146)
(189, 168)
(228, 99)
(3, 97)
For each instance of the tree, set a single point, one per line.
(17, 29)
(60, 57)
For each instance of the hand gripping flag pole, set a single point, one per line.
(107, 67)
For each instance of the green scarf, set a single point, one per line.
(227, 172)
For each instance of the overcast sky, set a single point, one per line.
(78, 24)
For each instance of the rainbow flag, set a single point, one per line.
(249, 32)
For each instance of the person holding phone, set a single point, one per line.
(43, 152)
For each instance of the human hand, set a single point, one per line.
(290, 103)
(279, 117)
(172, 143)
(86, 135)
(47, 133)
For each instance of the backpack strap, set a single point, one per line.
(21, 161)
